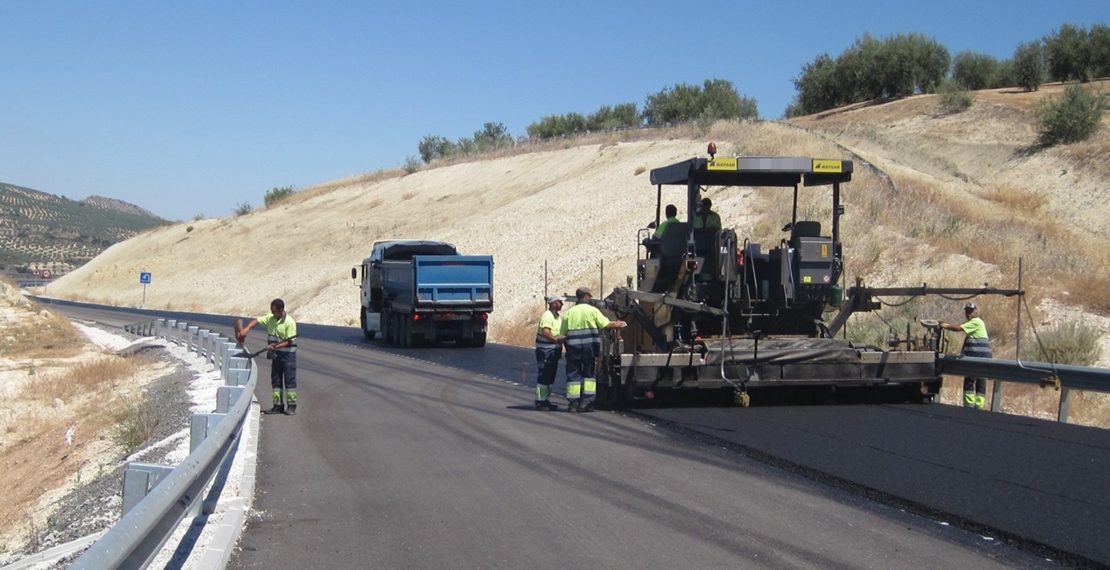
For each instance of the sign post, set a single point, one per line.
(144, 278)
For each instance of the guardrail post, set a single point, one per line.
(202, 343)
(226, 396)
(158, 324)
(996, 397)
(171, 325)
(235, 363)
(214, 348)
(139, 479)
(1065, 404)
(182, 326)
(199, 426)
(238, 377)
(193, 339)
(225, 357)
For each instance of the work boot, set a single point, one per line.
(574, 406)
(277, 409)
(546, 406)
(587, 408)
(291, 409)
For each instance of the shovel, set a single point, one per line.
(237, 326)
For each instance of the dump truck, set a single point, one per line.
(419, 292)
(711, 310)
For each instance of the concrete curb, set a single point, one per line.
(218, 551)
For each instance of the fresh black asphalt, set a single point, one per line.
(1039, 484)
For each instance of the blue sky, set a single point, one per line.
(192, 108)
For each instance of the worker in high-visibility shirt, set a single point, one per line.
(978, 345)
(672, 217)
(548, 352)
(281, 348)
(705, 217)
(581, 333)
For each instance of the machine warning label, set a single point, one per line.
(728, 163)
(827, 166)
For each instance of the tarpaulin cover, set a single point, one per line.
(780, 351)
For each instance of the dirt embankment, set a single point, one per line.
(576, 211)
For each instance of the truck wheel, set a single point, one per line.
(367, 334)
(479, 340)
(406, 334)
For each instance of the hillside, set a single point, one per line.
(43, 230)
(967, 195)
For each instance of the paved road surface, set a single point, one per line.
(393, 462)
(399, 462)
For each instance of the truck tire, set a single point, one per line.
(479, 340)
(367, 334)
(387, 326)
(406, 334)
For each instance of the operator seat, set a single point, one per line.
(804, 228)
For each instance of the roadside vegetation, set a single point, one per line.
(277, 195)
(900, 65)
(871, 69)
(1070, 118)
(953, 97)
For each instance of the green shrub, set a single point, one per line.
(243, 209)
(1070, 343)
(188, 229)
(276, 195)
(953, 97)
(1070, 118)
(412, 165)
(138, 422)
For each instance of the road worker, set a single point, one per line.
(581, 333)
(281, 349)
(705, 218)
(977, 345)
(672, 216)
(548, 352)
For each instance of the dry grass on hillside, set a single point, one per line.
(57, 426)
(43, 335)
(64, 406)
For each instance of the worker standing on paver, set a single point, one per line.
(581, 332)
(281, 348)
(977, 345)
(705, 218)
(548, 352)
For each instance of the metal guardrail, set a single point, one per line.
(157, 498)
(1062, 377)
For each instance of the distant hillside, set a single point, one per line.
(117, 206)
(43, 230)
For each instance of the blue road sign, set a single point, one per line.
(144, 277)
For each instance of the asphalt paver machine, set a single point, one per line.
(709, 310)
